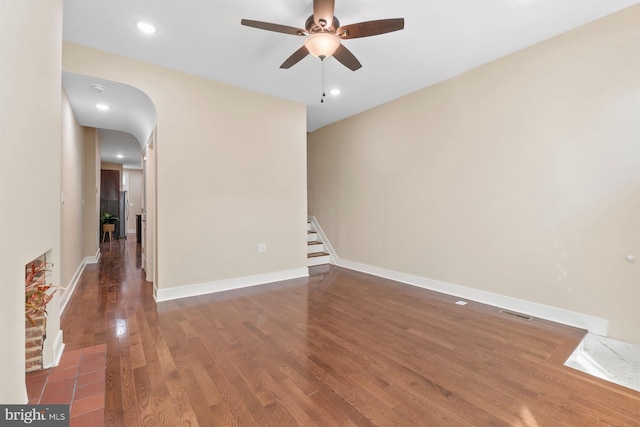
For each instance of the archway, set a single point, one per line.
(121, 113)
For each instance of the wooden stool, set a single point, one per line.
(108, 228)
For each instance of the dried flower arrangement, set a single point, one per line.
(37, 294)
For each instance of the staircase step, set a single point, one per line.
(316, 254)
(315, 246)
(318, 258)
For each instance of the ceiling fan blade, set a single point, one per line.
(370, 28)
(296, 57)
(323, 11)
(274, 27)
(346, 58)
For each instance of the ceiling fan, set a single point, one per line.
(324, 34)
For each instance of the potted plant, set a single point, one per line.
(109, 221)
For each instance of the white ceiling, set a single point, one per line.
(120, 147)
(441, 39)
(125, 128)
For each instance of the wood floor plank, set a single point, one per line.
(339, 348)
(128, 388)
(114, 413)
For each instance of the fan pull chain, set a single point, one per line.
(322, 80)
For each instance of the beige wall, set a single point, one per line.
(135, 196)
(521, 177)
(30, 129)
(91, 207)
(231, 172)
(71, 223)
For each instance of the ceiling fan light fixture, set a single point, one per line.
(322, 45)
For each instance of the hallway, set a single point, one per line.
(113, 305)
(108, 294)
(338, 348)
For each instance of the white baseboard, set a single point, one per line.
(325, 241)
(71, 287)
(131, 231)
(595, 325)
(592, 324)
(66, 296)
(229, 284)
(92, 259)
(58, 349)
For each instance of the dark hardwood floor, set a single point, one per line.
(340, 348)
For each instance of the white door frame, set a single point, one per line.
(149, 210)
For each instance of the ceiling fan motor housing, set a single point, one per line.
(313, 28)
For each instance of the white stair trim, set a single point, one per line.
(323, 238)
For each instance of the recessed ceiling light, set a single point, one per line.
(145, 27)
(119, 156)
(335, 91)
(102, 107)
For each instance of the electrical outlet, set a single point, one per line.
(262, 247)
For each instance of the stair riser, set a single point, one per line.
(315, 248)
(312, 237)
(318, 260)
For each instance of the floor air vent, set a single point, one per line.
(514, 314)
